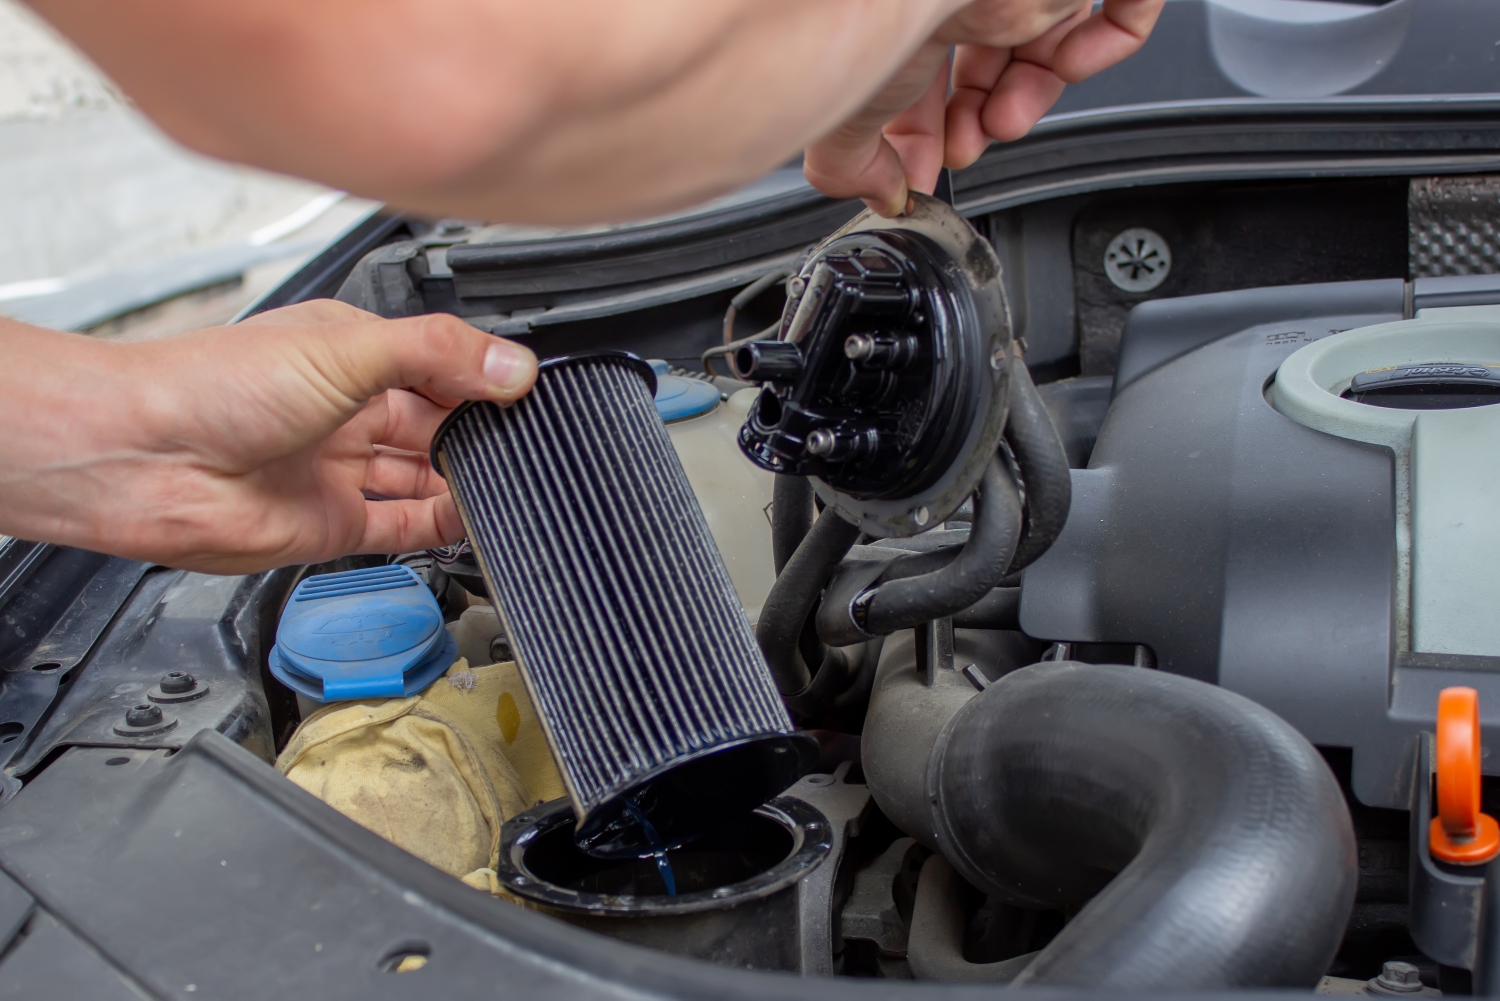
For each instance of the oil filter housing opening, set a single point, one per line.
(746, 858)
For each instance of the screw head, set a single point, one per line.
(178, 682)
(921, 516)
(1398, 975)
(859, 346)
(822, 442)
(144, 714)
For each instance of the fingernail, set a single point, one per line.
(508, 368)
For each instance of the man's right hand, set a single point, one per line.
(1012, 59)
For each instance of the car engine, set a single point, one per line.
(1085, 580)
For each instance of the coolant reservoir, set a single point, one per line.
(735, 494)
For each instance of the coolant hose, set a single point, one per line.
(791, 516)
(1000, 609)
(1043, 464)
(794, 594)
(1205, 840)
(978, 567)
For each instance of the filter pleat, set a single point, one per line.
(616, 600)
(539, 590)
(650, 538)
(578, 493)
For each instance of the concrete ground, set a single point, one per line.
(90, 189)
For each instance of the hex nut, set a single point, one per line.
(143, 715)
(178, 683)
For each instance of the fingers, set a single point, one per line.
(402, 475)
(1004, 24)
(1001, 93)
(410, 421)
(1117, 30)
(405, 526)
(1025, 93)
(860, 165)
(857, 160)
(976, 72)
(916, 135)
(440, 354)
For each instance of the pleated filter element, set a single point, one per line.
(655, 698)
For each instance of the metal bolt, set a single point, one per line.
(822, 442)
(178, 682)
(921, 516)
(858, 347)
(794, 287)
(144, 714)
(1399, 977)
(997, 358)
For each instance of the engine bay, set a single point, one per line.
(1108, 555)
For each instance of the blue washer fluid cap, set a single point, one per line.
(361, 634)
(678, 398)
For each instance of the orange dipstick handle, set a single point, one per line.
(1460, 833)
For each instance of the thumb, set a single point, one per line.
(858, 163)
(439, 353)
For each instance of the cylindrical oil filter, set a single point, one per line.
(655, 698)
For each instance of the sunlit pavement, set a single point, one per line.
(88, 188)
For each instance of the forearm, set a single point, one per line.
(239, 448)
(551, 112)
(60, 396)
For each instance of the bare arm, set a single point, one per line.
(240, 448)
(548, 111)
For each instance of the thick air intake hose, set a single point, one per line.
(1205, 840)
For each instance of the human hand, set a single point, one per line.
(1012, 59)
(237, 449)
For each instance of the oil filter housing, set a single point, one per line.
(656, 700)
(889, 382)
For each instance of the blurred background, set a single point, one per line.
(109, 227)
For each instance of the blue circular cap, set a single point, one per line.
(678, 398)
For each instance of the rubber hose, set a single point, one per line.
(979, 566)
(795, 593)
(1043, 464)
(1000, 609)
(935, 945)
(1206, 840)
(791, 516)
